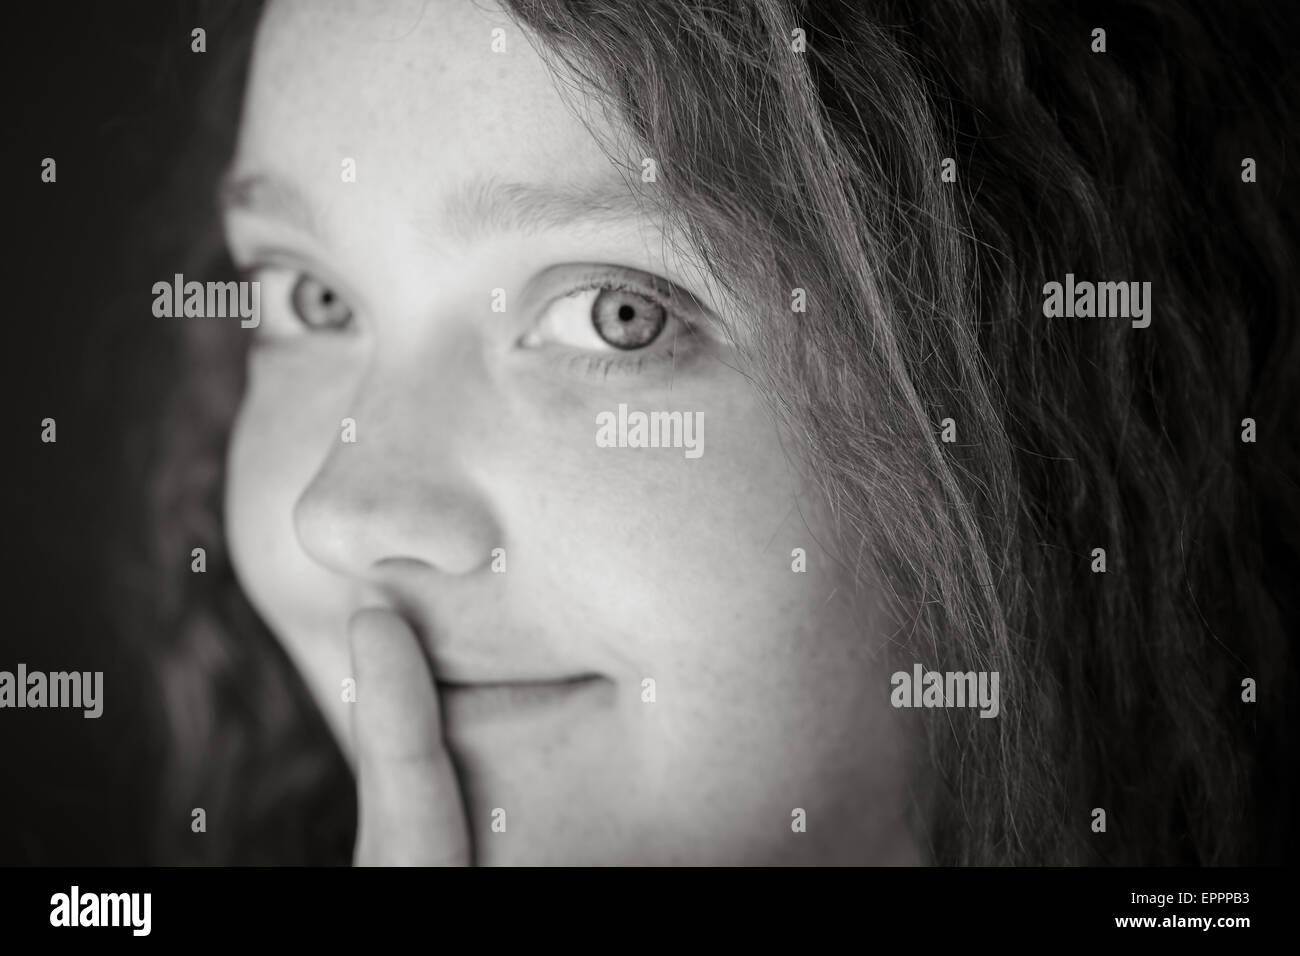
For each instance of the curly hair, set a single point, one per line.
(817, 166)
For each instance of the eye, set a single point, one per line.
(317, 305)
(619, 310)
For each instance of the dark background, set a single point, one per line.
(112, 93)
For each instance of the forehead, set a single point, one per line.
(414, 93)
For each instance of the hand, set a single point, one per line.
(408, 798)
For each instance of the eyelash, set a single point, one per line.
(600, 365)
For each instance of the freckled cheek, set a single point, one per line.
(688, 559)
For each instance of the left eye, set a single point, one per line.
(610, 316)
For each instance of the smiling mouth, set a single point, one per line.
(513, 703)
(457, 685)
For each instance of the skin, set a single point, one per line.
(475, 431)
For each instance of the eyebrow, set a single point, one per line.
(476, 210)
(268, 197)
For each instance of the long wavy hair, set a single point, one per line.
(820, 169)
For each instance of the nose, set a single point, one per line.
(402, 491)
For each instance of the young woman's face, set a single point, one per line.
(439, 333)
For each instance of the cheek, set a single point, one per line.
(682, 569)
(260, 489)
(279, 440)
(290, 416)
(274, 450)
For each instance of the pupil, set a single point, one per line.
(627, 320)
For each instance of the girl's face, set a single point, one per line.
(456, 283)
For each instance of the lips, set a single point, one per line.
(477, 691)
(462, 683)
(469, 706)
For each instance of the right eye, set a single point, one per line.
(318, 306)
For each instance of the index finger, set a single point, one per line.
(409, 802)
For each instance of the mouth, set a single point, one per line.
(529, 704)
(476, 697)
